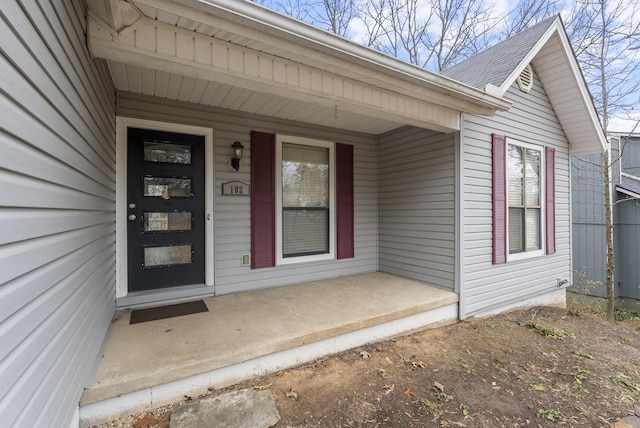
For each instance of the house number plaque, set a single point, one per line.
(236, 188)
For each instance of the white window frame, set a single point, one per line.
(280, 139)
(543, 198)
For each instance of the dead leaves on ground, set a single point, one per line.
(292, 394)
(146, 422)
(388, 389)
(409, 393)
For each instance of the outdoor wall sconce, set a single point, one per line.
(237, 155)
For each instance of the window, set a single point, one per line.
(265, 218)
(524, 198)
(523, 214)
(305, 200)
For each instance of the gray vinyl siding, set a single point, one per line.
(232, 228)
(417, 205)
(57, 211)
(589, 249)
(631, 155)
(627, 228)
(589, 245)
(627, 238)
(486, 286)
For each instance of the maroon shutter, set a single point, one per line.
(263, 200)
(550, 195)
(499, 198)
(344, 201)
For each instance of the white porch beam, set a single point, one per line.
(120, 14)
(153, 44)
(298, 40)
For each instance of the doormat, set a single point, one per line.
(169, 311)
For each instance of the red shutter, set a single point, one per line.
(499, 198)
(263, 200)
(550, 195)
(344, 201)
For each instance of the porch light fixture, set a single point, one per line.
(237, 155)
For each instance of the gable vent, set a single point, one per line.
(525, 79)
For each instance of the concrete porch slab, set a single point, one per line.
(253, 333)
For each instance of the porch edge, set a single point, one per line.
(160, 395)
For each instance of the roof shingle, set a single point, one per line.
(494, 65)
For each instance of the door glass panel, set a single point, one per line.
(167, 221)
(167, 187)
(169, 255)
(166, 153)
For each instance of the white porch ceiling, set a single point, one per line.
(239, 56)
(173, 86)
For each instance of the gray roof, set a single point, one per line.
(629, 186)
(494, 65)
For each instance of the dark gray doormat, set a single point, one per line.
(169, 311)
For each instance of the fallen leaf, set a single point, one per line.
(408, 393)
(146, 422)
(383, 373)
(292, 394)
(262, 387)
(438, 386)
(417, 364)
(388, 389)
(365, 354)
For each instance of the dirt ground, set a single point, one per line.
(537, 367)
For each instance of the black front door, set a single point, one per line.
(165, 209)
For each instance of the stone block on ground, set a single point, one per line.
(245, 408)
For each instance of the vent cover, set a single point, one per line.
(525, 79)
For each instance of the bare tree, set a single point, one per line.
(602, 34)
(526, 13)
(298, 9)
(394, 27)
(434, 34)
(463, 29)
(336, 15)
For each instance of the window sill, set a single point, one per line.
(525, 255)
(304, 259)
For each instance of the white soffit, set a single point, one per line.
(172, 86)
(210, 54)
(553, 60)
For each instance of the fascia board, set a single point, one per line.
(266, 25)
(584, 89)
(557, 30)
(553, 28)
(627, 192)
